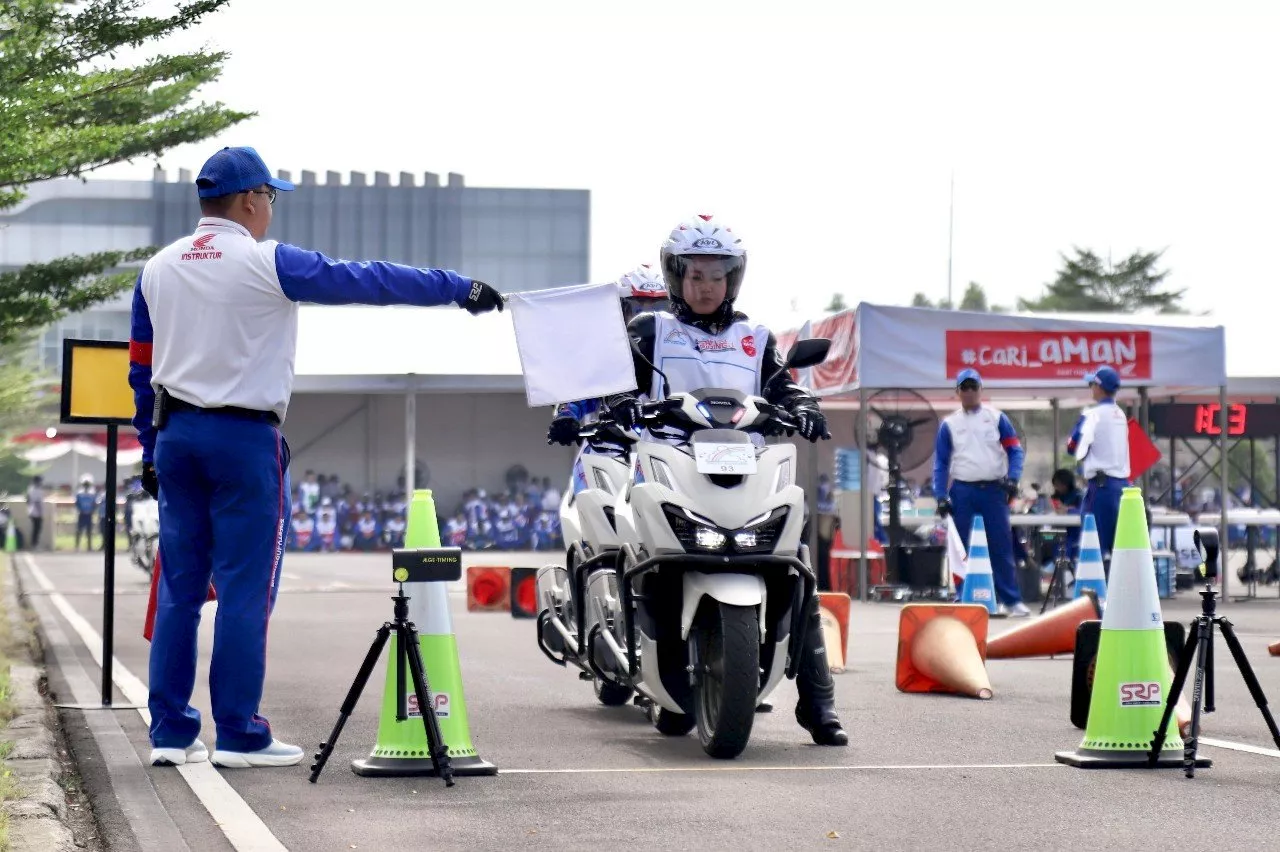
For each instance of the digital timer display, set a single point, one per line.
(1204, 420)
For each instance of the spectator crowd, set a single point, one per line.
(329, 517)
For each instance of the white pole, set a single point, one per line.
(951, 219)
(410, 438)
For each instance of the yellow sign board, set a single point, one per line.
(95, 382)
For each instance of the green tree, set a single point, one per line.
(920, 300)
(67, 107)
(1086, 283)
(974, 298)
(837, 304)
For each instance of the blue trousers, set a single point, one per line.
(990, 502)
(1103, 502)
(224, 506)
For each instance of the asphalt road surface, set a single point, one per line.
(921, 771)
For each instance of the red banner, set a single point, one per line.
(1030, 355)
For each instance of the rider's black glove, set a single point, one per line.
(813, 424)
(563, 430)
(481, 298)
(150, 483)
(944, 507)
(1010, 487)
(626, 413)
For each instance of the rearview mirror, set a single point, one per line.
(808, 353)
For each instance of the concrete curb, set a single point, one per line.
(38, 820)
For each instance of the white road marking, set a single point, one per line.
(856, 768)
(243, 828)
(1245, 747)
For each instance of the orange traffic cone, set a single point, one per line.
(488, 589)
(834, 609)
(1049, 634)
(1274, 649)
(942, 648)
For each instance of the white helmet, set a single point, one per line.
(702, 236)
(641, 290)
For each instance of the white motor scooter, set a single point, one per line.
(703, 615)
(586, 519)
(144, 531)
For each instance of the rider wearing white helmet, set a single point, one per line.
(704, 342)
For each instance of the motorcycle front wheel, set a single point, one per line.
(727, 649)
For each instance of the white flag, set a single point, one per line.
(573, 343)
(956, 557)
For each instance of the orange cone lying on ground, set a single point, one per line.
(834, 609)
(1049, 634)
(1274, 649)
(942, 648)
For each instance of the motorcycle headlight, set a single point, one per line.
(761, 535)
(694, 533)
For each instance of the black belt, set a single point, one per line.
(980, 483)
(176, 404)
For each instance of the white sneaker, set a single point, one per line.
(1019, 610)
(276, 754)
(194, 753)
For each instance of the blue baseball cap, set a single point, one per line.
(233, 170)
(968, 375)
(1106, 378)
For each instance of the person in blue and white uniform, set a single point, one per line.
(211, 363)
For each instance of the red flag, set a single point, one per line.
(1142, 452)
(149, 625)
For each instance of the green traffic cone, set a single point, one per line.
(11, 537)
(401, 747)
(1132, 679)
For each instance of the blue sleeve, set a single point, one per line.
(1012, 447)
(577, 410)
(309, 276)
(1074, 441)
(941, 462)
(144, 397)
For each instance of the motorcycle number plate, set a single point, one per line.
(725, 458)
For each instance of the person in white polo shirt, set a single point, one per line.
(978, 452)
(211, 354)
(1100, 442)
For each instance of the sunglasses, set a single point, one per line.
(968, 386)
(269, 192)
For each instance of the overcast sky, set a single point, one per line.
(825, 134)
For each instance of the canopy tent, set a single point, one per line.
(1020, 357)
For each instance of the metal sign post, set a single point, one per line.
(95, 390)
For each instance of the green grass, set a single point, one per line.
(8, 787)
(67, 542)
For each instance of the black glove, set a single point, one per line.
(626, 413)
(813, 424)
(1010, 487)
(944, 507)
(563, 430)
(482, 298)
(150, 483)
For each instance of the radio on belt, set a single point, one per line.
(427, 565)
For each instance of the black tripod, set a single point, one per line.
(1200, 645)
(1056, 539)
(406, 647)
